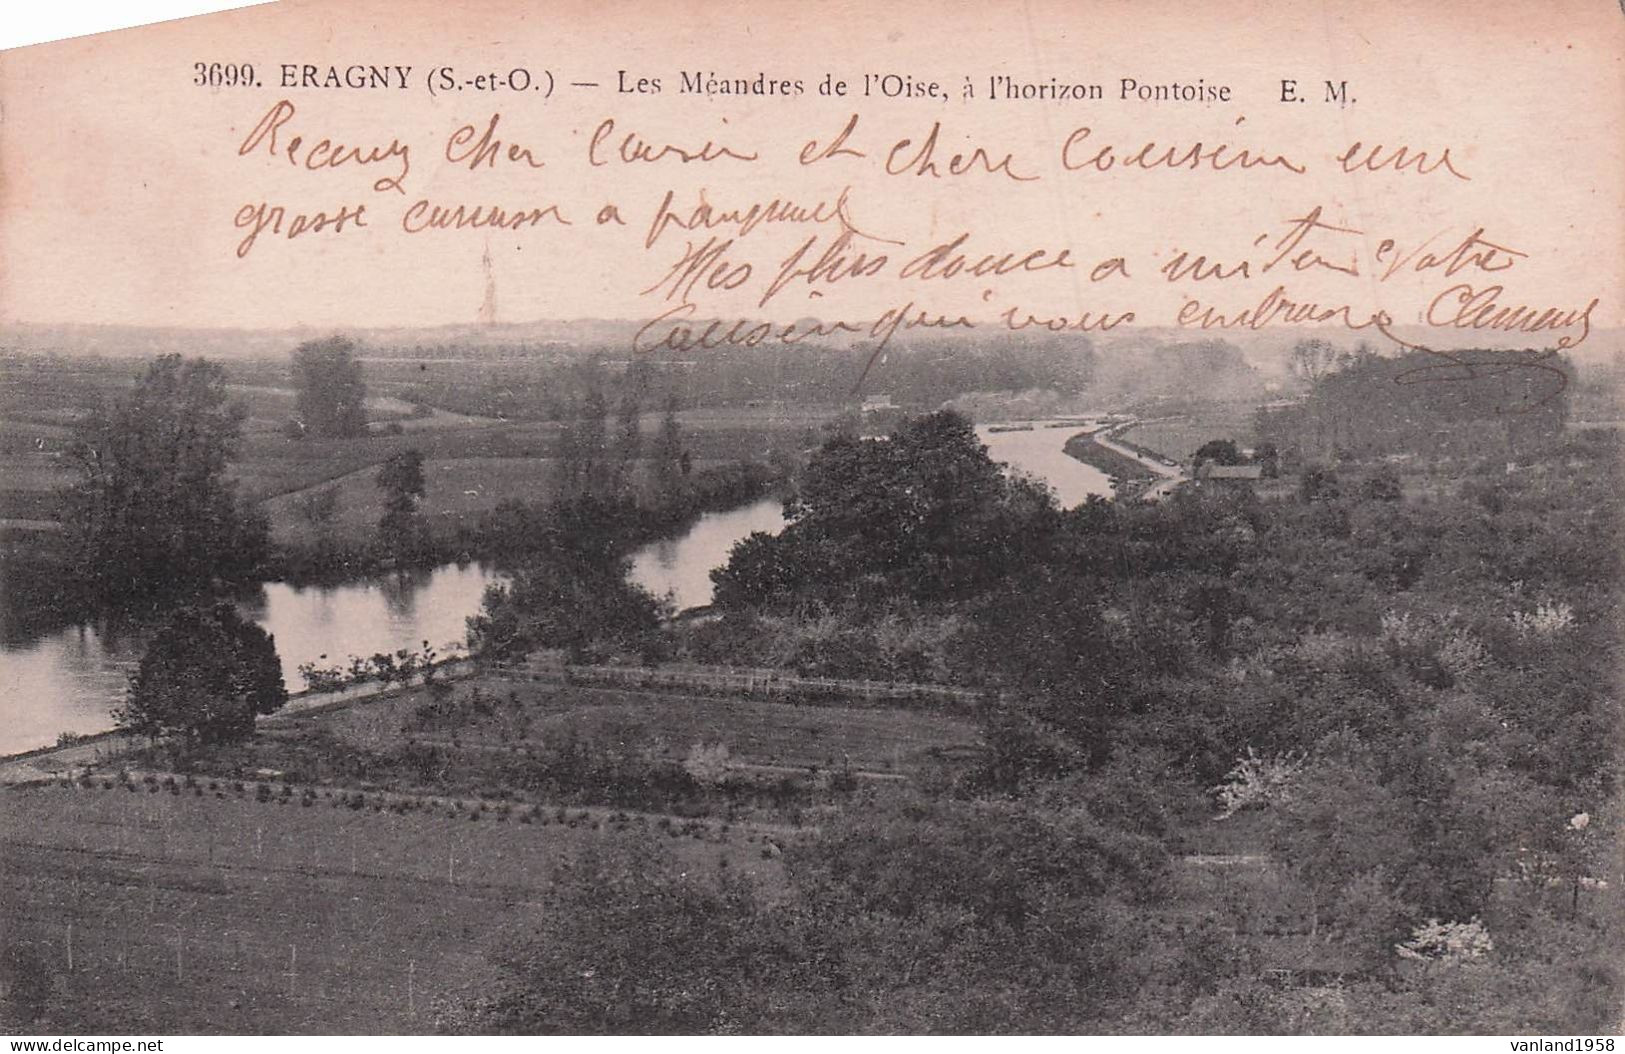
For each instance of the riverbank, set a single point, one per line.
(66, 664)
(96, 748)
(514, 526)
(1086, 449)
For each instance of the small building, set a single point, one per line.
(876, 403)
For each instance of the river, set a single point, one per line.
(681, 567)
(1038, 452)
(68, 679)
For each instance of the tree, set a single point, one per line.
(205, 677)
(628, 438)
(331, 396)
(925, 514)
(583, 444)
(1268, 456)
(575, 597)
(1318, 484)
(912, 917)
(668, 451)
(1315, 359)
(153, 513)
(401, 528)
(1218, 451)
(594, 440)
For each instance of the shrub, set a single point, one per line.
(1256, 782)
(205, 677)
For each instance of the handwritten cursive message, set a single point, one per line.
(838, 224)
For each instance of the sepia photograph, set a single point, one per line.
(564, 518)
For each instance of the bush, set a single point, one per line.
(205, 677)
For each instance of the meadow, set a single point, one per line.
(255, 894)
(457, 491)
(1179, 436)
(474, 462)
(521, 713)
(141, 908)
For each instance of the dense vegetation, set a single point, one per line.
(1334, 760)
(151, 514)
(147, 480)
(1398, 714)
(1467, 404)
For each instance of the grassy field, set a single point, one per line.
(258, 905)
(457, 491)
(223, 914)
(755, 732)
(494, 459)
(500, 740)
(1179, 437)
(28, 484)
(236, 906)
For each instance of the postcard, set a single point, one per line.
(759, 517)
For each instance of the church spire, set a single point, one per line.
(488, 308)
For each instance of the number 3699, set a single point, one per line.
(222, 74)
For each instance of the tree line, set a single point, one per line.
(1407, 708)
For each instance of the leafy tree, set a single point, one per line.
(925, 514)
(1338, 825)
(1470, 403)
(637, 950)
(594, 426)
(401, 480)
(1218, 451)
(1268, 456)
(1318, 484)
(331, 396)
(401, 528)
(584, 445)
(570, 591)
(205, 677)
(913, 917)
(153, 512)
(1314, 359)
(628, 438)
(668, 451)
(560, 600)
(1044, 639)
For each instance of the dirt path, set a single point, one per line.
(56, 762)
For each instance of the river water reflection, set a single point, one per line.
(1039, 452)
(681, 567)
(68, 679)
